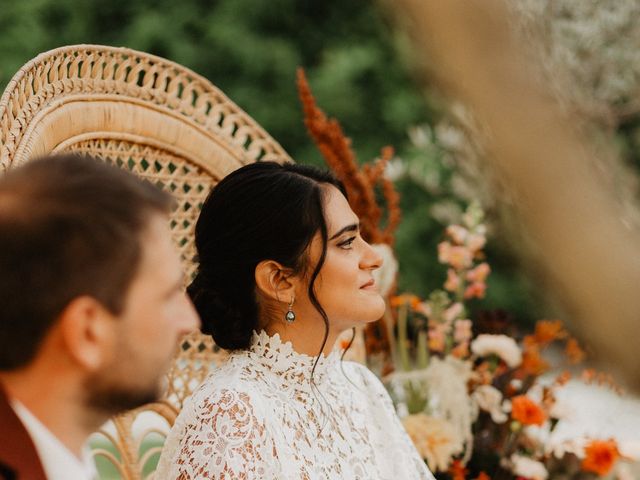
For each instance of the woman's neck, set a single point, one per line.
(305, 338)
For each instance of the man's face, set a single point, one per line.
(156, 315)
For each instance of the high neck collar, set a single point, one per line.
(281, 359)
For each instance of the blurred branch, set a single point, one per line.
(592, 257)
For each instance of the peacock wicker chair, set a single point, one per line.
(166, 124)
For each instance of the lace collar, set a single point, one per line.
(280, 358)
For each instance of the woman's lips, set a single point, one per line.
(371, 284)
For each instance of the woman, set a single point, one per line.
(283, 271)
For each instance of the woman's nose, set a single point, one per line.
(371, 259)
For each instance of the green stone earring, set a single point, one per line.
(290, 316)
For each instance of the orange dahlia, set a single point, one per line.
(600, 456)
(526, 411)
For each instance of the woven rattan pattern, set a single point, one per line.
(103, 70)
(188, 184)
(142, 87)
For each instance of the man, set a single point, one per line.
(91, 309)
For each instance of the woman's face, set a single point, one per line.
(345, 286)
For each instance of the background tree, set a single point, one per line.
(358, 69)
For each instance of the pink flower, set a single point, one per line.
(457, 257)
(453, 281)
(457, 233)
(436, 338)
(475, 290)
(480, 273)
(462, 331)
(461, 350)
(451, 313)
(444, 251)
(423, 308)
(476, 242)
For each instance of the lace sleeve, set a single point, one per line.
(224, 438)
(390, 427)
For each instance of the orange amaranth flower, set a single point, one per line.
(483, 476)
(360, 183)
(600, 456)
(526, 411)
(549, 330)
(574, 353)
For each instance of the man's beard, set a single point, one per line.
(110, 398)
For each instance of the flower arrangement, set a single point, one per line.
(365, 185)
(484, 405)
(478, 403)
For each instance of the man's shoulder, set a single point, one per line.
(18, 456)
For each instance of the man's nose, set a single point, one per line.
(189, 319)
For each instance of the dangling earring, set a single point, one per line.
(290, 316)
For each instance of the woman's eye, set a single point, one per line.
(347, 243)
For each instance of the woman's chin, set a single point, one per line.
(376, 310)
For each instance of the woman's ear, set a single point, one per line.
(275, 281)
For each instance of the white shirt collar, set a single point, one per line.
(58, 461)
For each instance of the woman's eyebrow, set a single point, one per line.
(349, 228)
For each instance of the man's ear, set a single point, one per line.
(275, 281)
(88, 332)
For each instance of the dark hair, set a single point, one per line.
(69, 226)
(262, 211)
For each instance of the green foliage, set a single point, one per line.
(250, 50)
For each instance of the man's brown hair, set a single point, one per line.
(69, 226)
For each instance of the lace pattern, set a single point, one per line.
(262, 416)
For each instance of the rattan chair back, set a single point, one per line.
(159, 120)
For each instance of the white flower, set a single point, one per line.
(385, 276)
(528, 468)
(573, 446)
(516, 384)
(504, 347)
(435, 439)
(623, 472)
(561, 410)
(489, 399)
(630, 450)
(395, 170)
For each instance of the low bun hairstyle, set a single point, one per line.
(262, 211)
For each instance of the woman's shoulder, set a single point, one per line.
(363, 377)
(228, 383)
(220, 429)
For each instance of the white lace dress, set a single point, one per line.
(259, 417)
